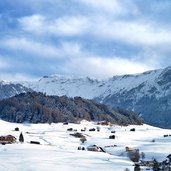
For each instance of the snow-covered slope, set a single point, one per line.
(69, 86)
(91, 88)
(58, 149)
(148, 93)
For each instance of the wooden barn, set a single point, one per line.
(7, 139)
(128, 149)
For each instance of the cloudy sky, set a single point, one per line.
(96, 38)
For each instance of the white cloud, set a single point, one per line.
(70, 49)
(107, 5)
(138, 33)
(15, 77)
(103, 67)
(115, 7)
(69, 26)
(29, 46)
(63, 26)
(38, 49)
(34, 23)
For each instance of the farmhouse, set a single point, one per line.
(128, 149)
(112, 137)
(104, 123)
(95, 148)
(8, 139)
(92, 129)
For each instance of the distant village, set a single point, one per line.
(135, 155)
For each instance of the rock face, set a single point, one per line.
(39, 108)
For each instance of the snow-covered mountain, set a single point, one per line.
(93, 88)
(148, 93)
(68, 85)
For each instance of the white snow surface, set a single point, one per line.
(58, 149)
(90, 88)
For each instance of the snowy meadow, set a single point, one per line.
(57, 149)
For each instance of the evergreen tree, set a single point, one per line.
(137, 167)
(21, 137)
(156, 165)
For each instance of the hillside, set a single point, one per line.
(39, 108)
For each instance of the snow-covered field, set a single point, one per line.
(58, 150)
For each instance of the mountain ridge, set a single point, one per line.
(148, 93)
